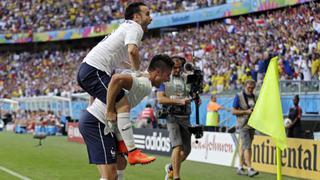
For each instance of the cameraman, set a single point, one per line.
(242, 107)
(173, 96)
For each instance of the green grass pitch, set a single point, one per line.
(58, 159)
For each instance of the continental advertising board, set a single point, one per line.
(301, 159)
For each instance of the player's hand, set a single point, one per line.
(187, 100)
(184, 101)
(111, 116)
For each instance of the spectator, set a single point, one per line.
(7, 118)
(213, 119)
(294, 130)
(147, 118)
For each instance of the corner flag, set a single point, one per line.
(267, 113)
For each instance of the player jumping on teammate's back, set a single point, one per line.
(159, 71)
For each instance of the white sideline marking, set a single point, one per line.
(14, 173)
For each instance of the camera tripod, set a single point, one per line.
(197, 130)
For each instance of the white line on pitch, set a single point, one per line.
(14, 173)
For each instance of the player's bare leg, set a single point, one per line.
(177, 157)
(108, 171)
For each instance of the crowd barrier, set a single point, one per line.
(49, 130)
(20, 129)
(309, 102)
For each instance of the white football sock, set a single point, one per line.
(125, 128)
(120, 174)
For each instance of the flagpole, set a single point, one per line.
(279, 176)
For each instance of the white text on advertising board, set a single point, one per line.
(155, 142)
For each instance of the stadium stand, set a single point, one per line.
(39, 15)
(229, 52)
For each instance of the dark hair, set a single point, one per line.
(132, 9)
(180, 58)
(213, 96)
(296, 97)
(160, 61)
(251, 81)
(148, 105)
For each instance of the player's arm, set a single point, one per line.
(133, 53)
(239, 112)
(236, 108)
(118, 82)
(298, 117)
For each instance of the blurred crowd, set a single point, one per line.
(41, 73)
(229, 52)
(234, 50)
(29, 121)
(39, 15)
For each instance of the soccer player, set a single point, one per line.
(158, 72)
(118, 50)
(102, 148)
(113, 52)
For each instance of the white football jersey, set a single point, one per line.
(112, 51)
(98, 109)
(141, 87)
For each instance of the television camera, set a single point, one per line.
(195, 79)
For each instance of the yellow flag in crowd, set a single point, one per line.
(267, 113)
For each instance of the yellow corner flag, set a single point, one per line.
(267, 113)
